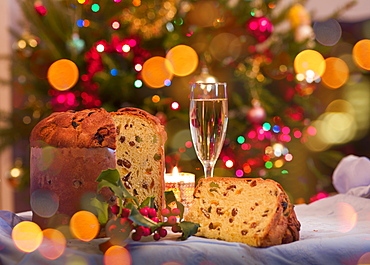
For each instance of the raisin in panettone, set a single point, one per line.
(256, 212)
(70, 149)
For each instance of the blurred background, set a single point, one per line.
(297, 75)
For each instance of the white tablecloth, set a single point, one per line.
(335, 230)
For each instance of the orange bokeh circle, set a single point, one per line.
(63, 74)
(184, 60)
(156, 71)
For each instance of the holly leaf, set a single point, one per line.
(116, 190)
(112, 176)
(188, 229)
(170, 198)
(101, 208)
(148, 202)
(181, 207)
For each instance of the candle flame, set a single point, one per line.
(175, 172)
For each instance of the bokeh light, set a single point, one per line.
(95, 7)
(327, 32)
(239, 173)
(336, 127)
(361, 54)
(44, 203)
(229, 163)
(117, 255)
(364, 259)
(336, 73)
(27, 236)
(225, 47)
(63, 74)
(309, 61)
(84, 225)
(183, 60)
(347, 217)
(126, 48)
(202, 14)
(138, 67)
(53, 244)
(116, 25)
(100, 47)
(156, 98)
(175, 105)
(155, 71)
(138, 83)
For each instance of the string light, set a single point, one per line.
(114, 72)
(116, 25)
(138, 67)
(100, 48)
(95, 7)
(229, 163)
(138, 83)
(126, 48)
(175, 105)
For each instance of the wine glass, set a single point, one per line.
(208, 122)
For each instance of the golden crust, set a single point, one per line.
(87, 128)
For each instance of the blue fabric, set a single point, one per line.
(325, 239)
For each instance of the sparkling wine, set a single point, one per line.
(208, 123)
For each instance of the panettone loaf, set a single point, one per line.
(253, 211)
(70, 149)
(140, 153)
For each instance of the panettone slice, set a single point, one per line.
(253, 211)
(140, 153)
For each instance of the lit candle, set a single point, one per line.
(182, 184)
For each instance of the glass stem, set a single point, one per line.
(208, 169)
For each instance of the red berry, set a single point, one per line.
(166, 212)
(125, 212)
(175, 211)
(176, 228)
(155, 219)
(136, 236)
(140, 230)
(172, 220)
(152, 212)
(144, 211)
(147, 231)
(162, 232)
(115, 209)
(156, 236)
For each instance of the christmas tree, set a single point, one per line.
(76, 54)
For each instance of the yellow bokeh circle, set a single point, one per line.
(361, 54)
(184, 60)
(63, 74)
(27, 236)
(84, 225)
(336, 73)
(309, 60)
(156, 71)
